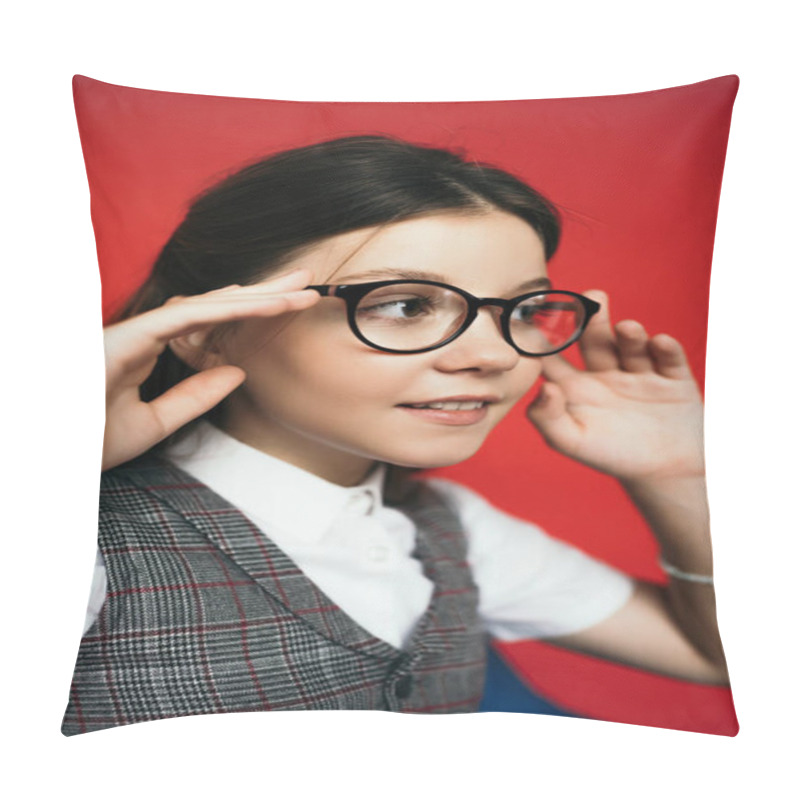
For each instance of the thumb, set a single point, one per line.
(548, 412)
(195, 395)
(549, 404)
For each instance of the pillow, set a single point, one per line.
(635, 180)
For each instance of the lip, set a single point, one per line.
(457, 398)
(442, 416)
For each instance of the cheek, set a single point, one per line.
(295, 366)
(354, 381)
(524, 375)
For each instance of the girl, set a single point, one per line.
(321, 324)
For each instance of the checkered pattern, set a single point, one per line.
(204, 614)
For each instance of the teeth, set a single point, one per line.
(466, 405)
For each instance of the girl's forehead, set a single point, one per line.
(453, 246)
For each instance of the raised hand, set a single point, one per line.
(133, 346)
(635, 411)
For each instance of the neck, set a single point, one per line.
(324, 461)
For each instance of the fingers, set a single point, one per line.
(194, 396)
(200, 315)
(669, 357)
(622, 347)
(548, 412)
(632, 340)
(556, 368)
(626, 346)
(661, 354)
(268, 298)
(182, 316)
(134, 427)
(597, 344)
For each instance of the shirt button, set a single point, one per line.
(402, 689)
(360, 503)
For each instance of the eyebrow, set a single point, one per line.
(422, 275)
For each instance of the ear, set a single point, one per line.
(198, 350)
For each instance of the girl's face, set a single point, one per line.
(319, 398)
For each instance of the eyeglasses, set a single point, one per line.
(399, 316)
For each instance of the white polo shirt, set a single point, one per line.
(359, 551)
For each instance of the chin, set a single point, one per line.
(421, 460)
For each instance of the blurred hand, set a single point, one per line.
(133, 346)
(635, 412)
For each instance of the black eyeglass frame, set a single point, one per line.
(353, 293)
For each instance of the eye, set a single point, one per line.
(540, 310)
(398, 308)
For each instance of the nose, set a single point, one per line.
(480, 347)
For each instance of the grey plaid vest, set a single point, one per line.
(205, 614)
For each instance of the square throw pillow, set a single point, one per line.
(404, 407)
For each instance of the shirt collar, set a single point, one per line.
(269, 490)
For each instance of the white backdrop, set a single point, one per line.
(52, 383)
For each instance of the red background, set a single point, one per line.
(637, 178)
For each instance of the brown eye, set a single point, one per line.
(397, 309)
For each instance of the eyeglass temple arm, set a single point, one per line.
(323, 290)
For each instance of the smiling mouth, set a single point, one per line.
(463, 402)
(450, 405)
(449, 412)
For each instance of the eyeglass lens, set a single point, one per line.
(413, 316)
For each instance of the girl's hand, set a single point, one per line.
(133, 346)
(635, 412)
